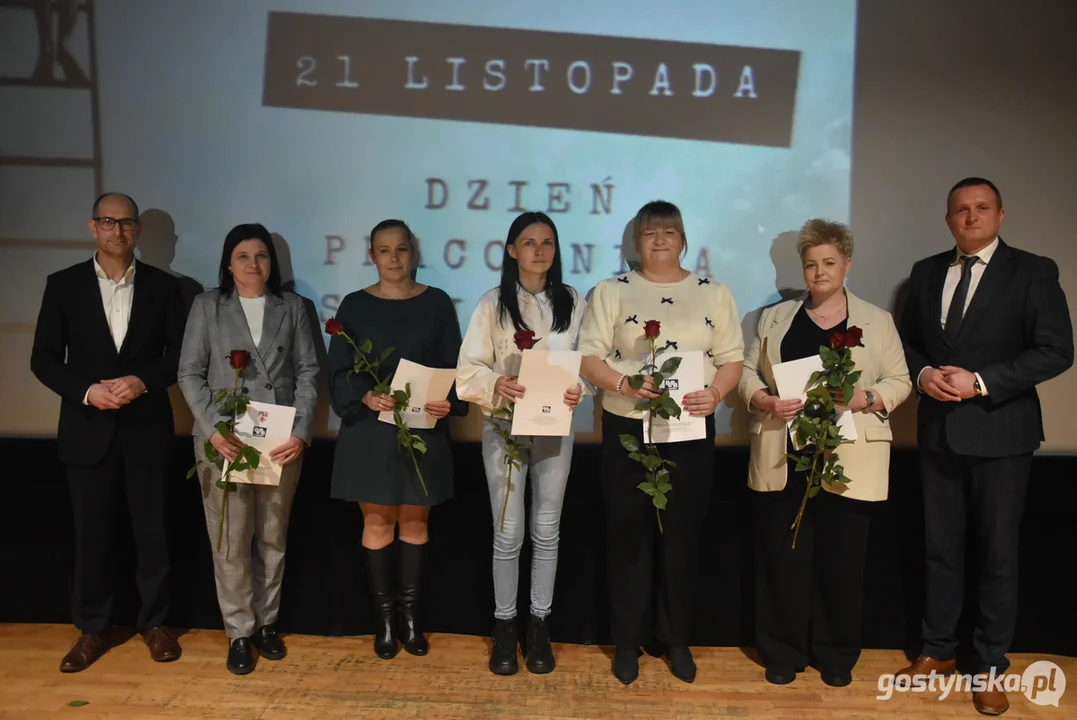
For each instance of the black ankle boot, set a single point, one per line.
(382, 572)
(411, 572)
(503, 658)
(538, 652)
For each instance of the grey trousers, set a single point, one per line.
(249, 567)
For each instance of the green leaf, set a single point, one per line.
(673, 408)
(78, 703)
(669, 463)
(669, 367)
(366, 346)
(220, 395)
(814, 378)
(853, 377)
(241, 405)
(635, 381)
(814, 490)
(191, 473)
(223, 428)
(660, 501)
(803, 463)
(658, 378)
(648, 488)
(384, 354)
(652, 462)
(419, 445)
(635, 456)
(629, 442)
(400, 397)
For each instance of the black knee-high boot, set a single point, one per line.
(411, 572)
(381, 568)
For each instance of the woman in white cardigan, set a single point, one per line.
(809, 600)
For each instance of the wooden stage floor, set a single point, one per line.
(341, 678)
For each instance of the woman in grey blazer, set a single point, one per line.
(249, 312)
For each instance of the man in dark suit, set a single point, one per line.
(984, 325)
(107, 342)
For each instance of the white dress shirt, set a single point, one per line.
(488, 350)
(949, 288)
(254, 309)
(116, 298)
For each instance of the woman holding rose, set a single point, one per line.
(401, 319)
(251, 327)
(532, 307)
(809, 599)
(681, 312)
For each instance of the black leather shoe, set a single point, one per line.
(240, 661)
(503, 658)
(382, 573)
(411, 572)
(268, 643)
(836, 678)
(539, 653)
(626, 664)
(681, 663)
(781, 674)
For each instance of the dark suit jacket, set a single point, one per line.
(1016, 334)
(73, 349)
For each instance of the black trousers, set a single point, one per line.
(987, 497)
(651, 576)
(810, 600)
(96, 499)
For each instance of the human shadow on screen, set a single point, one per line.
(157, 247)
(291, 284)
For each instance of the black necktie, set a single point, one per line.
(957, 305)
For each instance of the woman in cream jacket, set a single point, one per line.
(809, 600)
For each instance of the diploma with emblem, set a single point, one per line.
(264, 427)
(546, 375)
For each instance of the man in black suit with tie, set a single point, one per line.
(984, 325)
(107, 342)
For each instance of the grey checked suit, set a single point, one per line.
(283, 370)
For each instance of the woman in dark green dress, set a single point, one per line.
(370, 467)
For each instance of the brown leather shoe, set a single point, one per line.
(925, 665)
(990, 702)
(162, 644)
(87, 649)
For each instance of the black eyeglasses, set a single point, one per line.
(107, 223)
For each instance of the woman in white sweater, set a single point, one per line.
(693, 314)
(534, 306)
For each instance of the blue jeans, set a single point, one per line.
(549, 460)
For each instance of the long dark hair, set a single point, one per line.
(507, 301)
(247, 231)
(413, 243)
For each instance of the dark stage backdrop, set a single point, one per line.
(325, 586)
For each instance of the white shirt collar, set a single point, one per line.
(984, 255)
(127, 276)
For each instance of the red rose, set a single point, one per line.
(239, 359)
(525, 339)
(651, 329)
(837, 340)
(853, 336)
(333, 326)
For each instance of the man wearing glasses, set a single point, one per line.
(107, 342)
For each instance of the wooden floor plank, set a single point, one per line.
(325, 678)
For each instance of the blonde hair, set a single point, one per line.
(818, 232)
(660, 214)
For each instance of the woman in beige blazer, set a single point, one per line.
(809, 600)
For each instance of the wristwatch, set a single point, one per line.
(870, 396)
(977, 387)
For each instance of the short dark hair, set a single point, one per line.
(973, 182)
(247, 231)
(125, 196)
